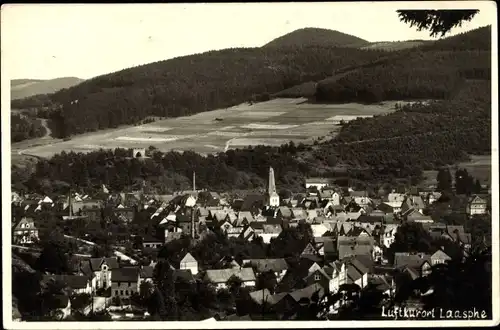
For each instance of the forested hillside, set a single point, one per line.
(190, 84)
(434, 71)
(418, 136)
(317, 37)
(23, 128)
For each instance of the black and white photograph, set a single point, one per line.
(271, 164)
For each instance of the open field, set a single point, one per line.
(479, 167)
(272, 123)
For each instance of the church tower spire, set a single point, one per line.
(274, 199)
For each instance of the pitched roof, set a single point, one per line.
(308, 292)
(440, 254)
(183, 274)
(72, 281)
(415, 261)
(146, 272)
(23, 222)
(261, 296)
(125, 274)
(95, 263)
(263, 265)
(223, 275)
(285, 211)
(188, 258)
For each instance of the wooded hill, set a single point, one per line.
(316, 37)
(384, 149)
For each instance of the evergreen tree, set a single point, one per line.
(444, 179)
(477, 187)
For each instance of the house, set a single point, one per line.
(319, 229)
(152, 243)
(283, 212)
(350, 271)
(476, 205)
(277, 266)
(390, 207)
(124, 281)
(284, 302)
(414, 215)
(389, 234)
(244, 218)
(319, 183)
(432, 197)
(299, 213)
(318, 276)
(220, 277)
(188, 262)
(348, 246)
(439, 257)
(309, 251)
(413, 202)
(270, 231)
(25, 231)
(417, 264)
(102, 267)
(395, 197)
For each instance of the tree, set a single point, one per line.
(477, 187)
(410, 237)
(444, 179)
(266, 280)
(163, 277)
(436, 21)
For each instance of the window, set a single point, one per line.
(317, 277)
(129, 284)
(126, 292)
(121, 292)
(116, 292)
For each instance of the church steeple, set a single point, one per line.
(274, 199)
(272, 183)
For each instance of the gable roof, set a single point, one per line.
(261, 296)
(188, 258)
(125, 274)
(223, 275)
(95, 263)
(23, 222)
(440, 254)
(404, 259)
(308, 292)
(263, 265)
(74, 282)
(146, 272)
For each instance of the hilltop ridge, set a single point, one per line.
(316, 37)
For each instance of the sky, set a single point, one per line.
(50, 41)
